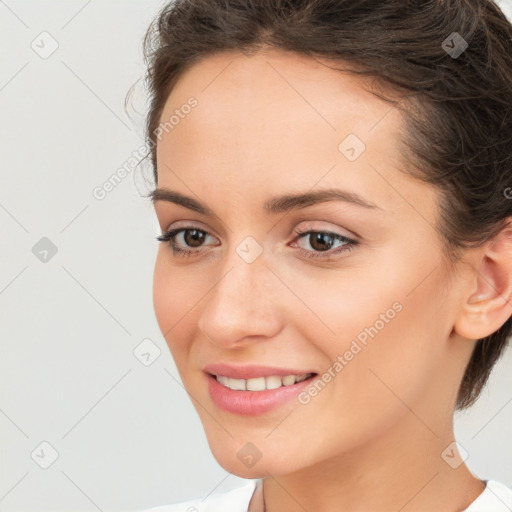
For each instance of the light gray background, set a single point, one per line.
(126, 434)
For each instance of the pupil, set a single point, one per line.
(194, 237)
(321, 237)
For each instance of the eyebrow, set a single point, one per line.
(275, 205)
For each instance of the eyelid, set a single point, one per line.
(326, 256)
(312, 226)
(318, 226)
(188, 224)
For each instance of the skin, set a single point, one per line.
(372, 439)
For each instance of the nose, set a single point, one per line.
(243, 305)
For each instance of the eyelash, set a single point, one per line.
(168, 237)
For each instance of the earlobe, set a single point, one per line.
(488, 303)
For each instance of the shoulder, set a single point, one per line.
(236, 500)
(496, 497)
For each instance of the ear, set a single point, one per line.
(487, 304)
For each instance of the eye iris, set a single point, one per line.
(321, 239)
(194, 237)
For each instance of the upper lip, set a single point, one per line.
(251, 371)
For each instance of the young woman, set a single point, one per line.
(333, 185)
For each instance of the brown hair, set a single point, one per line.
(458, 111)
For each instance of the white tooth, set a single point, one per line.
(261, 383)
(257, 384)
(223, 380)
(237, 384)
(273, 382)
(289, 380)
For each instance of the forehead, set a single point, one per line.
(274, 118)
(271, 83)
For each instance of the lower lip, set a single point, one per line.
(252, 402)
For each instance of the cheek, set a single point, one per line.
(172, 301)
(394, 354)
(390, 330)
(163, 297)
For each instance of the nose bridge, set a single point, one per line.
(239, 302)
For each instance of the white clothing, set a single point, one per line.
(496, 497)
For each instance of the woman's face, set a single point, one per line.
(375, 315)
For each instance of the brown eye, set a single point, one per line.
(321, 241)
(181, 238)
(193, 237)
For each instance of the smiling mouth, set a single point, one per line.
(261, 383)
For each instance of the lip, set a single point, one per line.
(251, 403)
(251, 371)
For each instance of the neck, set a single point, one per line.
(403, 470)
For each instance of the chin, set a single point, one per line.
(260, 470)
(248, 460)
